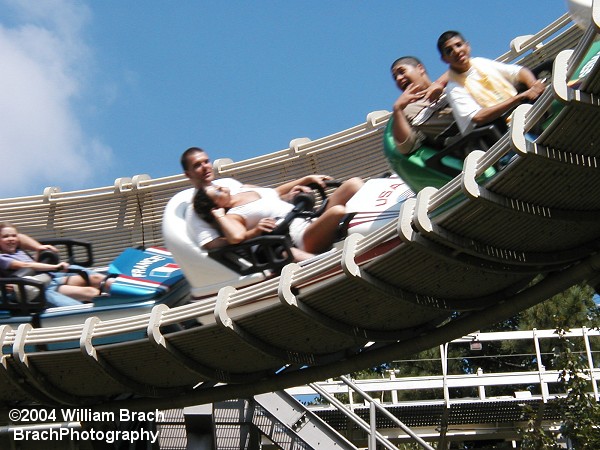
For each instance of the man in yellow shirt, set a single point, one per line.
(481, 90)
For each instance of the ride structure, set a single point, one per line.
(456, 258)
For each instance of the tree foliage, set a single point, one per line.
(580, 410)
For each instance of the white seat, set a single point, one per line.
(205, 275)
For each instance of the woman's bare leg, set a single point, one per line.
(78, 280)
(344, 193)
(76, 286)
(300, 255)
(320, 234)
(81, 293)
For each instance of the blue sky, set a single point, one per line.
(94, 90)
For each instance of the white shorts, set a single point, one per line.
(297, 228)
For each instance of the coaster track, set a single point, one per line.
(456, 260)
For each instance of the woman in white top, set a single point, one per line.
(254, 211)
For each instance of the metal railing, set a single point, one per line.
(382, 394)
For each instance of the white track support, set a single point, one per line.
(156, 338)
(35, 381)
(228, 324)
(90, 353)
(288, 298)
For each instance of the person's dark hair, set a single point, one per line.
(410, 60)
(444, 37)
(186, 154)
(203, 204)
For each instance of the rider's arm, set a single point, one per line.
(37, 266)
(435, 89)
(304, 181)
(202, 234)
(535, 89)
(29, 243)
(231, 226)
(403, 133)
(234, 228)
(527, 77)
(515, 74)
(490, 113)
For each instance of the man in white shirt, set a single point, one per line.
(482, 90)
(198, 168)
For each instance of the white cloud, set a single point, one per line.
(44, 63)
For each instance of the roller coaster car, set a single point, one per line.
(435, 164)
(142, 278)
(23, 293)
(376, 203)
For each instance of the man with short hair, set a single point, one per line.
(481, 90)
(417, 116)
(198, 168)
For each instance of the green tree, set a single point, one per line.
(580, 410)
